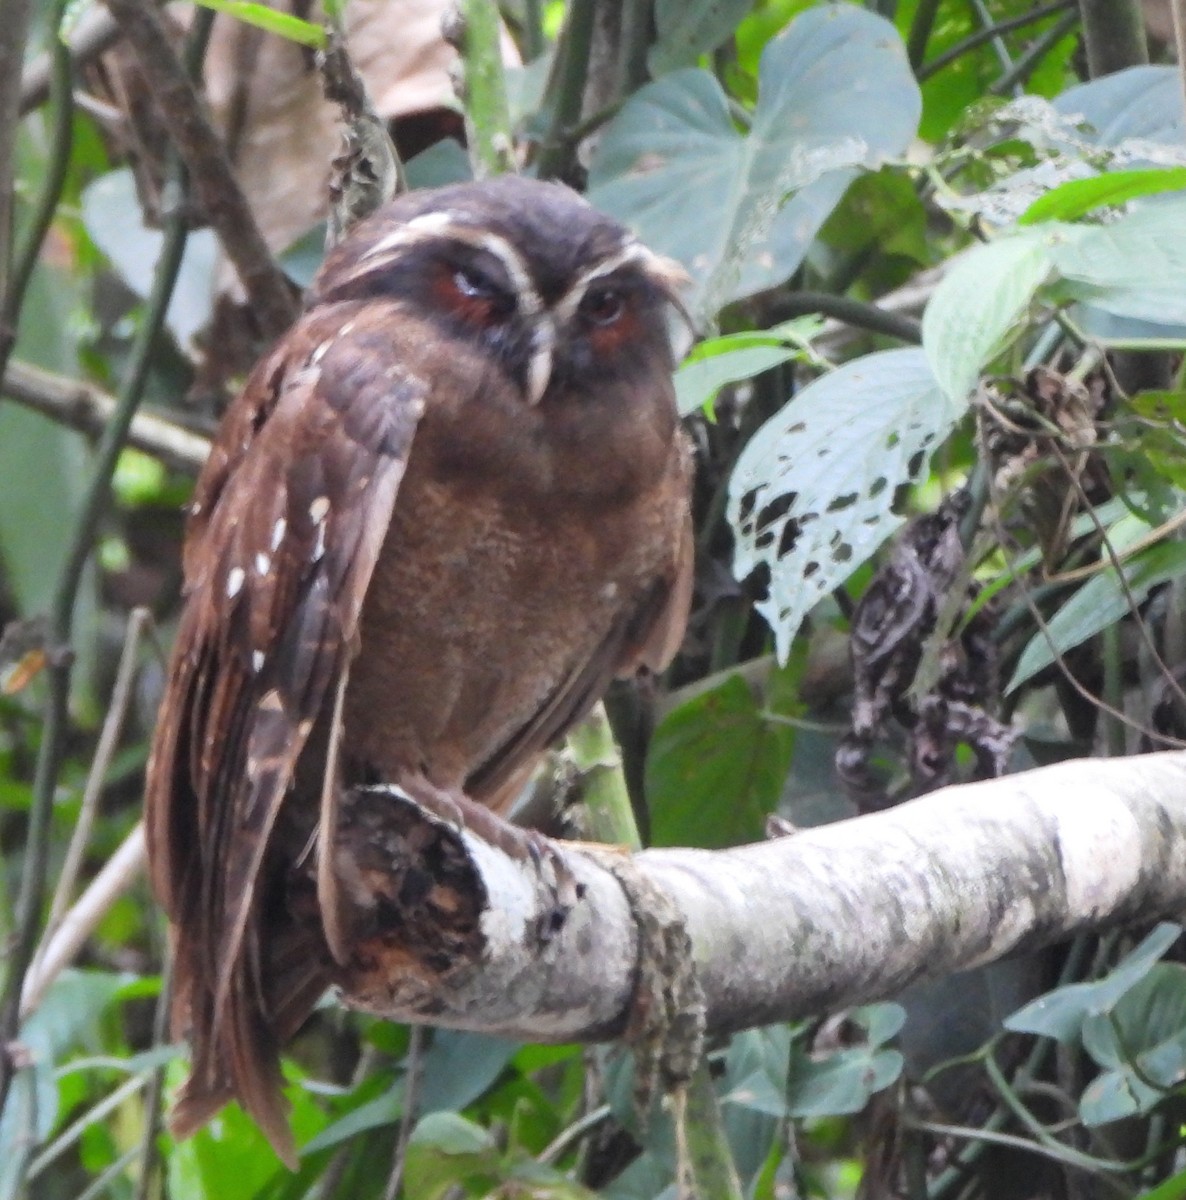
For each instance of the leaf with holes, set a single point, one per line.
(835, 93)
(812, 495)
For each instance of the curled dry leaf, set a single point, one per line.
(266, 94)
(899, 613)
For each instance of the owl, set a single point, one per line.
(448, 508)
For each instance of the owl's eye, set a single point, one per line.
(603, 306)
(473, 285)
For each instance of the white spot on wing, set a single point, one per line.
(318, 509)
(262, 563)
(278, 533)
(234, 582)
(257, 660)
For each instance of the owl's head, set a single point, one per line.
(561, 294)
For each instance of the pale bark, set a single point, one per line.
(816, 921)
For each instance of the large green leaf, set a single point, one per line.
(811, 497)
(1100, 602)
(716, 768)
(1060, 1014)
(1143, 1043)
(981, 300)
(1133, 267)
(835, 94)
(686, 29)
(111, 213)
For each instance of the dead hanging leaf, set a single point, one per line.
(891, 627)
(265, 94)
(23, 654)
(1040, 440)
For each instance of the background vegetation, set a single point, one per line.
(939, 278)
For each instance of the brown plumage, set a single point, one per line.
(447, 509)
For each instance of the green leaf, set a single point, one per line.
(113, 220)
(1080, 196)
(686, 29)
(380, 1110)
(1143, 1041)
(1133, 267)
(811, 497)
(1100, 602)
(460, 1066)
(1060, 1014)
(979, 304)
(835, 93)
(842, 1083)
(446, 1149)
(304, 33)
(71, 1008)
(715, 769)
(700, 378)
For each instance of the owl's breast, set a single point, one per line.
(484, 604)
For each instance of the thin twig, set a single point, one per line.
(487, 114)
(154, 1097)
(568, 93)
(972, 41)
(1021, 70)
(89, 409)
(1178, 9)
(95, 32)
(853, 312)
(113, 723)
(14, 33)
(119, 873)
(413, 1077)
(268, 291)
(920, 31)
(49, 194)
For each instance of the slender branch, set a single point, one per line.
(638, 18)
(972, 41)
(89, 409)
(269, 292)
(113, 723)
(853, 312)
(1178, 9)
(48, 197)
(95, 32)
(487, 116)
(1021, 70)
(920, 31)
(14, 33)
(1114, 34)
(555, 155)
(61, 614)
(118, 874)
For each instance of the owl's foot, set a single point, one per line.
(550, 865)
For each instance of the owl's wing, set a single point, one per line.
(646, 635)
(287, 522)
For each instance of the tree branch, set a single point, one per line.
(826, 918)
(95, 32)
(270, 295)
(89, 409)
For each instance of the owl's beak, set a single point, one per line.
(539, 367)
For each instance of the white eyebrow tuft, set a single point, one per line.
(443, 226)
(631, 252)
